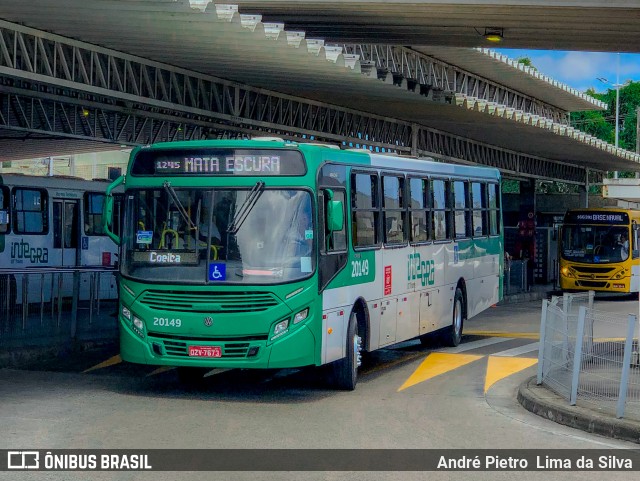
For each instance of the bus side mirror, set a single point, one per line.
(335, 215)
(107, 211)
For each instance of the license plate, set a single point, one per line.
(205, 351)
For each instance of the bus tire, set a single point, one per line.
(453, 334)
(345, 371)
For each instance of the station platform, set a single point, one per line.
(535, 293)
(544, 402)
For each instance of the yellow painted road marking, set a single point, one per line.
(160, 370)
(438, 363)
(521, 335)
(500, 367)
(109, 362)
(387, 365)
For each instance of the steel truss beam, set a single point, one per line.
(448, 147)
(439, 80)
(54, 85)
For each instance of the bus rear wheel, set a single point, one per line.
(345, 371)
(453, 334)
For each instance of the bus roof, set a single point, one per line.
(331, 152)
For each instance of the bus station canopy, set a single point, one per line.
(221, 41)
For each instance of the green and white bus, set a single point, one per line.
(271, 254)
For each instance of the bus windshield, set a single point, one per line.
(595, 244)
(199, 236)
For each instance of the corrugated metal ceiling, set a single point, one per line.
(193, 38)
(588, 25)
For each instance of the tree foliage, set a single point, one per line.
(526, 61)
(601, 123)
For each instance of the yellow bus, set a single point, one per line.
(598, 250)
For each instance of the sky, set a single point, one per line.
(580, 70)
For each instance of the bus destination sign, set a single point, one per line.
(595, 217)
(201, 162)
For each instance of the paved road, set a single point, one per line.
(408, 397)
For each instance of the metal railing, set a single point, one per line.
(50, 306)
(588, 356)
(515, 277)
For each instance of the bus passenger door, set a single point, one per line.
(65, 231)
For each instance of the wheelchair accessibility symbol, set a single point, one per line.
(217, 271)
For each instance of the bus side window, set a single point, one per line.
(440, 214)
(4, 210)
(30, 211)
(365, 209)
(93, 213)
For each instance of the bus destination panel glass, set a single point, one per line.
(609, 218)
(236, 162)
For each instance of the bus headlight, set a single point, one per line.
(281, 327)
(138, 326)
(619, 274)
(126, 313)
(565, 271)
(301, 316)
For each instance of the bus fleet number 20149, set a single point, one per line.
(360, 268)
(166, 322)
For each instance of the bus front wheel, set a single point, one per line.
(345, 371)
(453, 334)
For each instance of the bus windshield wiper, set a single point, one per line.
(243, 212)
(172, 193)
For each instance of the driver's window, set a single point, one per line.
(337, 240)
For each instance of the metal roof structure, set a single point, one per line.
(474, 94)
(587, 25)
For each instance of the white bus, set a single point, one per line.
(48, 224)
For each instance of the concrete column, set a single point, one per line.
(526, 240)
(527, 197)
(414, 139)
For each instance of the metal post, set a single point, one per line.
(543, 325)
(565, 326)
(8, 299)
(617, 105)
(41, 299)
(52, 297)
(92, 282)
(74, 303)
(415, 128)
(586, 188)
(25, 300)
(97, 296)
(577, 356)
(637, 133)
(626, 366)
(59, 300)
(589, 326)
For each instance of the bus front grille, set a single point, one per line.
(593, 270)
(594, 284)
(229, 350)
(208, 301)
